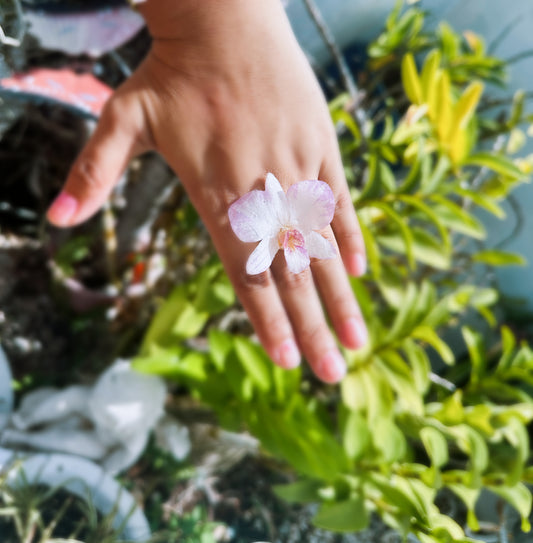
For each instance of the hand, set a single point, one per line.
(226, 95)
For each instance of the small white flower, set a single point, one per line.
(284, 221)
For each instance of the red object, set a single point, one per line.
(83, 92)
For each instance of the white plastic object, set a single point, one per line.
(6, 392)
(84, 479)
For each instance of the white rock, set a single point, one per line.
(173, 437)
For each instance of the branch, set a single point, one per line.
(340, 61)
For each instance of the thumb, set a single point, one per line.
(101, 163)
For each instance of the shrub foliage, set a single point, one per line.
(425, 156)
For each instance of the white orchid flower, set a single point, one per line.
(288, 221)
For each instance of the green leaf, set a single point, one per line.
(451, 411)
(428, 76)
(402, 227)
(482, 200)
(519, 496)
(428, 249)
(429, 336)
(469, 496)
(456, 218)
(388, 439)
(373, 255)
(413, 177)
(400, 327)
(471, 442)
(419, 362)
(356, 435)
(220, 344)
(346, 516)
(175, 363)
(255, 361)
(399, 376)
(189, 322)
(418, 204)
(431, 182)
(493, 257)
(509, 345)
(372, 183)
(302, 491)
(495, 162)
(391, 284)
(160, 330)
(410, 79)
(436, 446)
(466, 107)
(342, 116)
(353, 391)
(478, 360)
(379, 399)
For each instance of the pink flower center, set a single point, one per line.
(290, 239)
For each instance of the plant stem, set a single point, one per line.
(340, 61)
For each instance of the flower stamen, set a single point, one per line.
(291, 239)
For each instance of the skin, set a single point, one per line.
(226, 95)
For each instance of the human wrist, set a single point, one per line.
(189, 19)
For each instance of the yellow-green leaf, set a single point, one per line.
(498, 163)
(494, 257)
(427, 80)
(410, 79)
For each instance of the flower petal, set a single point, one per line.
(319, 247)
(297, 259)
(272, 185)
(277, 199)
(311, 205)
(262, 256)
(252, 217)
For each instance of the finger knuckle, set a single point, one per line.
(288, 280)
(350, 239)
(344, 203)
(313, 336)
(274, 326)
(87, 175)
(251, 283)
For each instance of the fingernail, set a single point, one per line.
(332, 368)
(62, 209)
(357, 265)
(288, 356)
(355, 332)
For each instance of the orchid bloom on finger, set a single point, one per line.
(288, 221)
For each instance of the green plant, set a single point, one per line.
(409, 419)
(33, 513)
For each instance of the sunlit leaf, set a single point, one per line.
(410, 79)
(493, 257)
(346, 516)
(495, 162)
(436, 446)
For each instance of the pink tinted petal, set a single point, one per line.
(297, 259)
(262, 256)
(251, 217)
(311, 205)
(319, 247)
